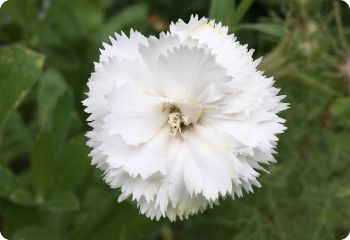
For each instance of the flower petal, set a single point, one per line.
(200, 80)
(135, 116)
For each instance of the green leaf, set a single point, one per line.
(55, 173)
(24, 16)
(22, 196)
(15, 140)
(18, 131)
(62, 202)
(340, 110)
(8, 182)
(12, 189)
(19, 69)
(72, 164)
(222, 10)
(51, 87)
(242, 8)
(91, 8)
(42, 165)
(55, 103)
(35, 233)
(14, 217)
(108, 218)
(267, 28)
(62, 116)
(127, 17)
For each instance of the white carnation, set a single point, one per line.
(181, 120)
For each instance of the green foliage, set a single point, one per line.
(13, 190)
(226, 12)
(62, 202)
(340, 111)
(42, 167)
(34, 233)
(19, 69)
(49, 190)
(54, 103)
(222, 10)
(73, 170)
(270, 29)
(109, 220)
(240, 11)
(128, 17)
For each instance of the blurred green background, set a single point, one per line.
(48, 190)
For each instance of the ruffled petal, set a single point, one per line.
(135, 116)
(201, 79)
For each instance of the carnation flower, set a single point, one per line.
(182, 120)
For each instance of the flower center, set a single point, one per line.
(176, 120)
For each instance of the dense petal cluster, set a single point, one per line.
(181, 120)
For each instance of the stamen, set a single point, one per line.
(177, 122)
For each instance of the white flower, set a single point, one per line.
(1, 237)
(2, 2)
(181, 120)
